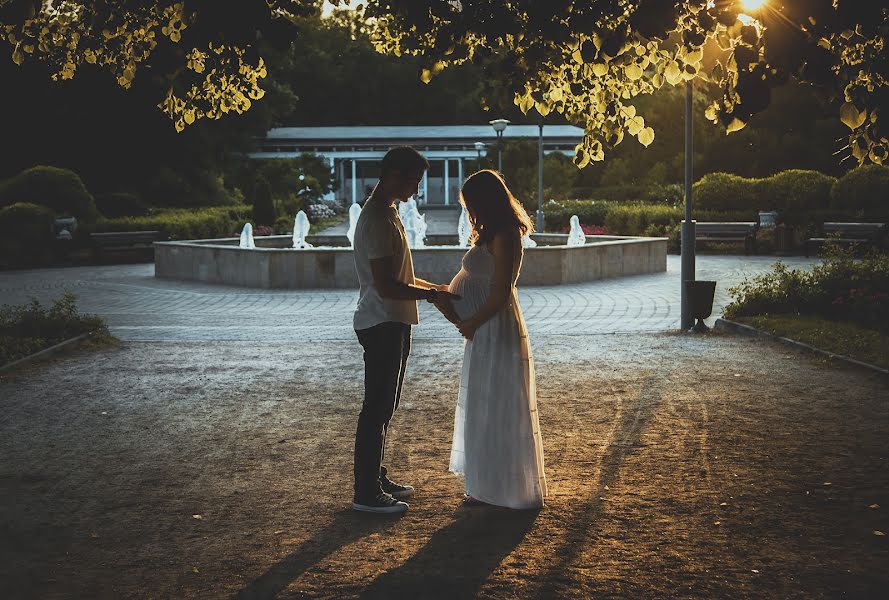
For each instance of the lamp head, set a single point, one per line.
(499, 125)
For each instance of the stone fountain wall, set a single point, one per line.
(272, 265)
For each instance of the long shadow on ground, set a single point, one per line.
(627, 437)
(347, 527)
(459, 558)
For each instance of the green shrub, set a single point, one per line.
(60, 190)
(264, 212)
(841, 288)
(642, 219)
(558, 213)
(865, 188)
(26, 233)
(793, 190)
(725, 192)
(29, 328)
(184, 224)
(120, 204)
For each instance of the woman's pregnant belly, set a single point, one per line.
(473, 292)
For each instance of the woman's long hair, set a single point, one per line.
(492, 207)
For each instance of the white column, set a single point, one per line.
(460, 171)
(332, 194)
(354, 182)
(426, 187)
(447, 182)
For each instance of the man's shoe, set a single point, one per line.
(396, 490)
(382, 503)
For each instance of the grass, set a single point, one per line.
(838, 337)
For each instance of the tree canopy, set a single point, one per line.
(200, 55)
(589, 59)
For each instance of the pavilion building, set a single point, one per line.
(453, 151)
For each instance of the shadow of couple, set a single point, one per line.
(455, 562)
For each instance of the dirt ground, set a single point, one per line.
(678, 466)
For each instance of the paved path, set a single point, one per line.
(140, 307)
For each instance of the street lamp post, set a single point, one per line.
(687, 265)
(499, 126)
(539, 224)
(480, 151)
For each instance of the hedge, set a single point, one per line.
(865, 188)
(792, 190)
(184, 224)
(60, 190)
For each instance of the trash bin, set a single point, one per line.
(700, 296)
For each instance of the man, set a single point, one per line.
(387, 307)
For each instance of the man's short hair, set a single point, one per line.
(403, 159)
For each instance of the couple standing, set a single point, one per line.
(496, 444)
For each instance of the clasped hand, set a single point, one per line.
(444, 302)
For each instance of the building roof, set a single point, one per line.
(418, 134)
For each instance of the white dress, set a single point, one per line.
(497, 445)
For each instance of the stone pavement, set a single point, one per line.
(140, 307)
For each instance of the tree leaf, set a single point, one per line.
(646, 136)
(635, 125)
(851, 117)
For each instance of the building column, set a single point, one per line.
(447, 182)
(332, 194)
(426, 187)
(354, 182)
(460, 171)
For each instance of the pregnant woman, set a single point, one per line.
(497, 445)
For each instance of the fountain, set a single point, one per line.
(247, 237)
(301, 228)
(576, 237)
(354, 213)
(414, 223)
(464, 228)
(328, 262)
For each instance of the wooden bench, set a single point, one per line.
(861, 234)
(735, 231)
(125, 240)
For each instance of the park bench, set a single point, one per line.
(735, 231)
(860, 234)
(125, 240)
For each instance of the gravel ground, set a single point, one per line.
(679, 466)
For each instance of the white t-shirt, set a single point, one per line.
(378, 234)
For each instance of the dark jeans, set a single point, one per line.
(386, 348)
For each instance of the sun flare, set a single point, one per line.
(753, 5)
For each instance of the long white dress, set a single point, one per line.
(497, 445)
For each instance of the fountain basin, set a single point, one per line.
(272, 264)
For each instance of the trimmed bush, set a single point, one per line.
(184, 224)
(642, 219)
(796, 189)
(60, 190)
(558, 214)
(26, 233)
(725, 192)
(864, 188)
(120, 204)
(787, 191)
